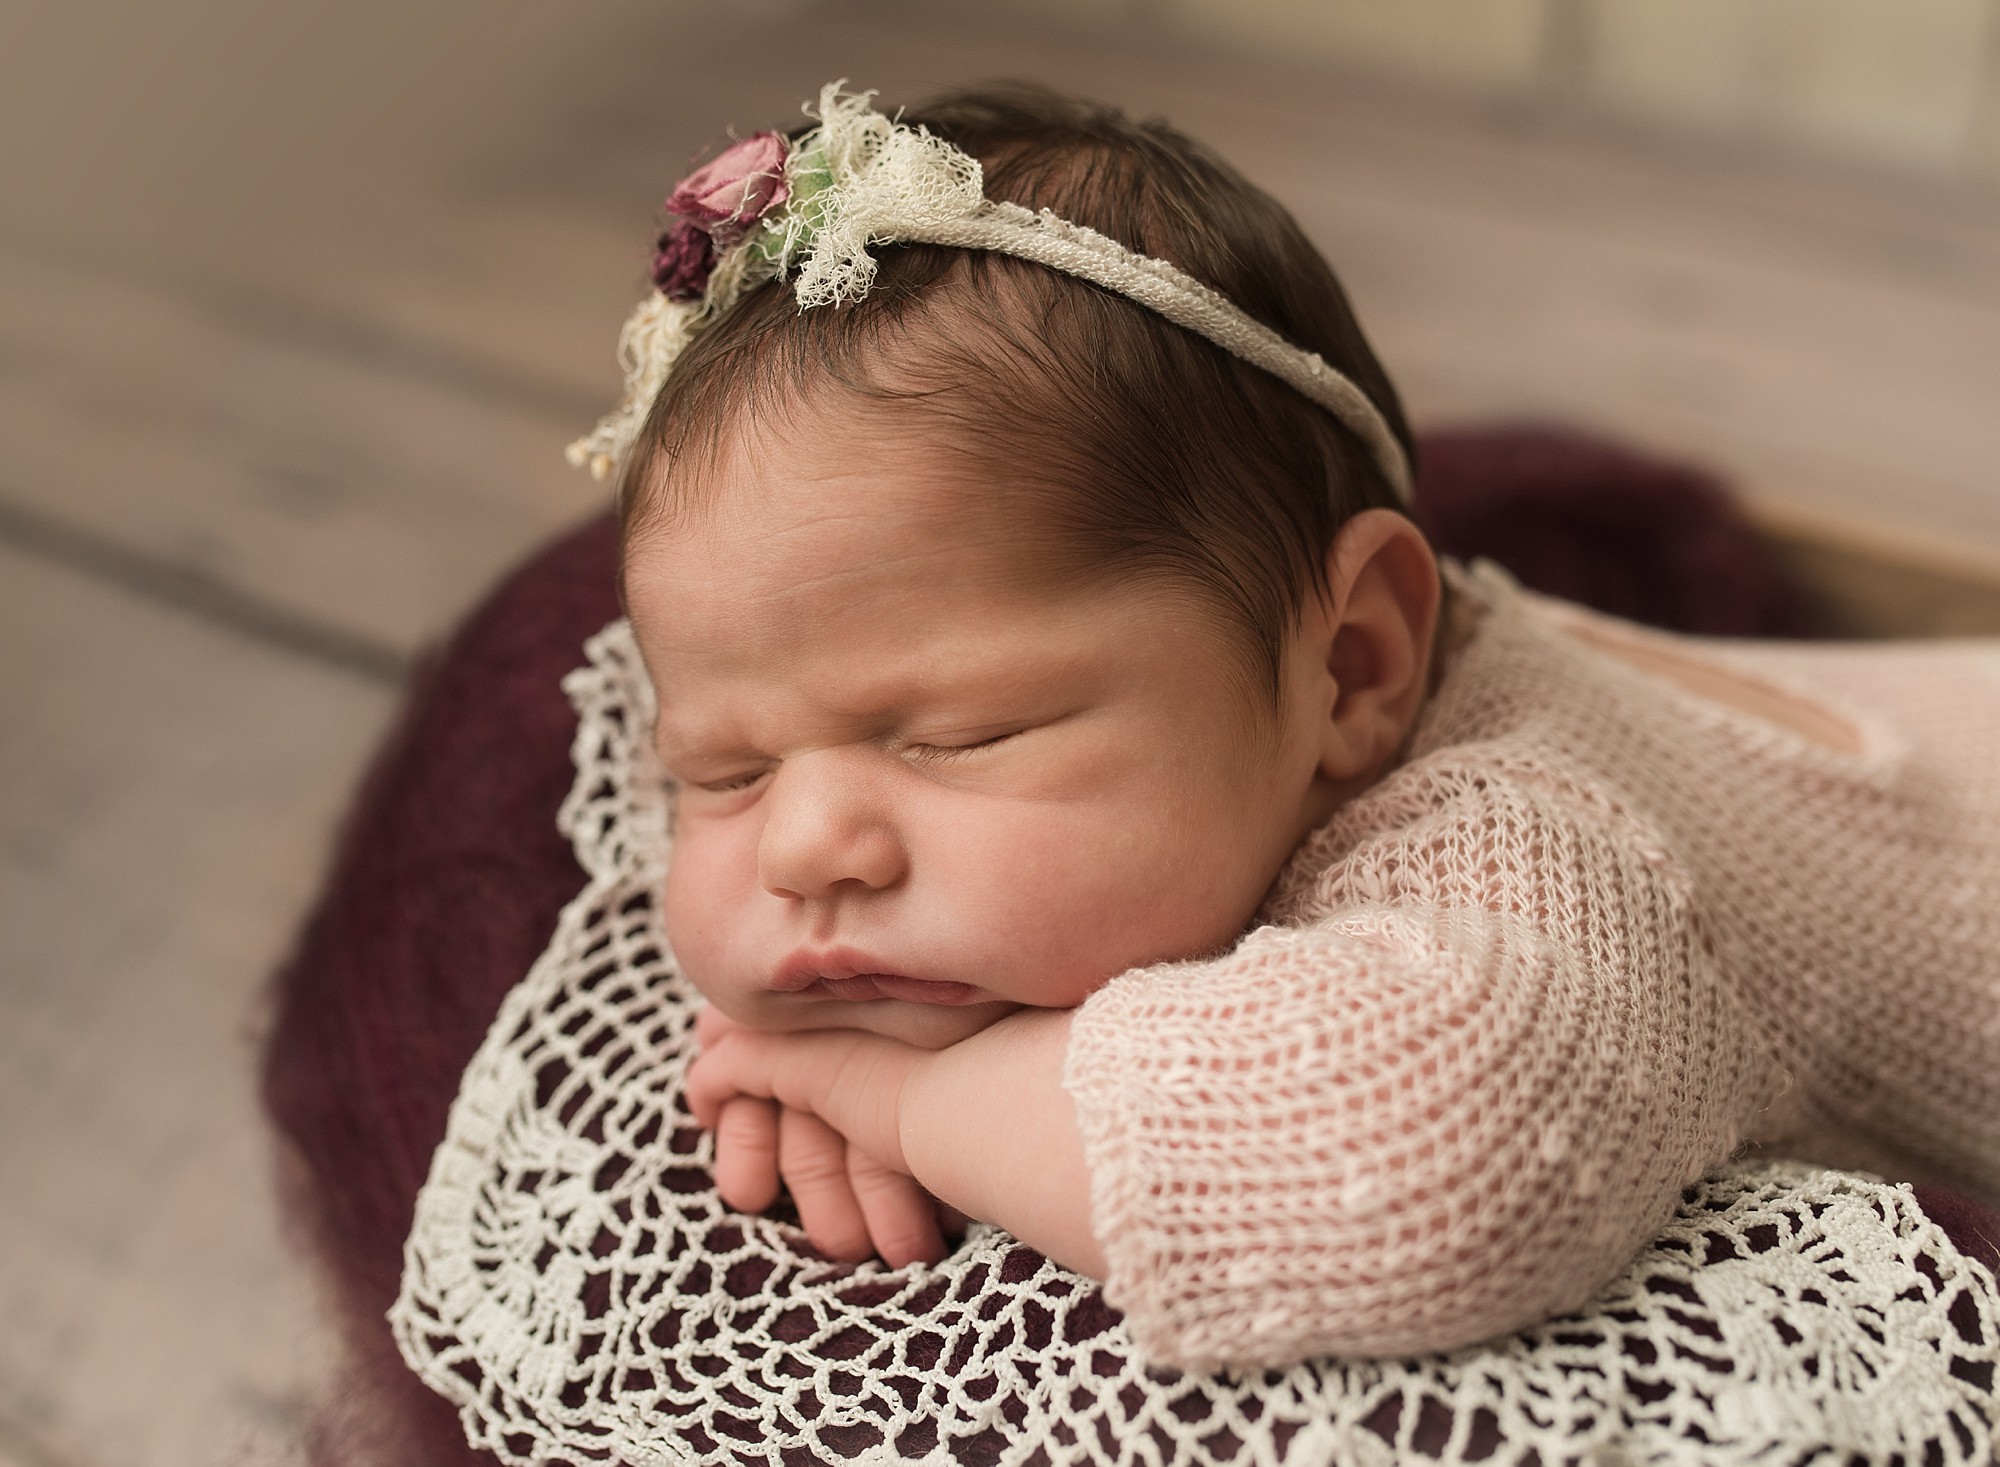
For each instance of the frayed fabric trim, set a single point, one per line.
(860, 180)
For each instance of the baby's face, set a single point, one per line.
(918, 788)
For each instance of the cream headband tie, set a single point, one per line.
(811, 209)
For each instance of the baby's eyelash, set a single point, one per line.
(940, 753)
(730, 786)
(927, 753)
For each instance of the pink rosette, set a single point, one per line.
(733, 190)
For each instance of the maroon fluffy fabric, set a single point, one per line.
(448, 880)
(450, 872)
(1586, 520)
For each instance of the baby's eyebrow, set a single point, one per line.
(682, 744)
(673, 744)
(679, 734)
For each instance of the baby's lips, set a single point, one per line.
(804, 967)
(867, 987)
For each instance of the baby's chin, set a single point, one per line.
(929, 1025)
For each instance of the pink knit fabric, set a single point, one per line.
(1595, 932)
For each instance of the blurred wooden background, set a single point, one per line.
(299, 304)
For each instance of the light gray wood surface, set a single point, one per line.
(170, 786)
(297, 308)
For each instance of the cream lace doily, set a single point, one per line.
(576, 1288)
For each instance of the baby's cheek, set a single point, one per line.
(1146, 896)
(1055, 911)
(696, 909)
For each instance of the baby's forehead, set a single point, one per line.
(772, 510)
(793, 637)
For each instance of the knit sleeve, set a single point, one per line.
(1453, 1103)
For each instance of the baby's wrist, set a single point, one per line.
(958, 1107)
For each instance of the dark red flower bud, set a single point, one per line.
(682, 261)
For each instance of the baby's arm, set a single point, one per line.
(1451, 1106)
(984, 1125)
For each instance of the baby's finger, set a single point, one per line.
(746, 1153)
(710, 1024)
(901, 1217)
(713, 1080)
(813, 1158)
(851, 1079)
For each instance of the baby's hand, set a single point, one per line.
(852, 1204)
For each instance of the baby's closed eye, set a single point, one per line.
(941, 750)
(729, 785)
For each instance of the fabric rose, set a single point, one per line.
(734, 189)
(682, 261)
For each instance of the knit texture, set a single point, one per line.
(1592, 934)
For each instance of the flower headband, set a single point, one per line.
(809, 209)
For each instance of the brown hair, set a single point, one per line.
(1139, 449)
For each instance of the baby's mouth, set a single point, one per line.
(863, 987)
(858, 978)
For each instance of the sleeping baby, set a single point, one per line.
(1096, 813)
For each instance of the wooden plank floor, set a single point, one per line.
(169, 782)
(259, 451)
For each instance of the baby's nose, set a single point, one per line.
(828, 825)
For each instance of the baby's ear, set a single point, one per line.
(1376, 632)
